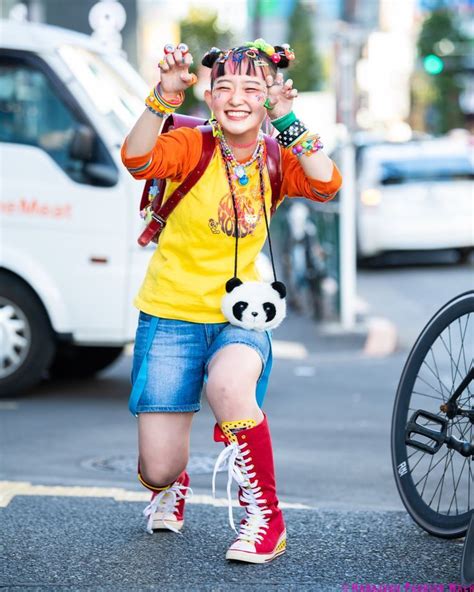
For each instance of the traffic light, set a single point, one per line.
(433, 64)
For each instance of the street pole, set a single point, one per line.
(257, 22)
(347, 242)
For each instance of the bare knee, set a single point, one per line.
(158, 471)
(224, 389)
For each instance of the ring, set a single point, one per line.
(169, 48)
(183, 48)
(268, 106)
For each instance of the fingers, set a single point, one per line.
(175, 57)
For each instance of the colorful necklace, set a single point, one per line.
(238, 169)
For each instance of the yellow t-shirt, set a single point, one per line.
(194, 258)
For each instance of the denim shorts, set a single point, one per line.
(171, 359)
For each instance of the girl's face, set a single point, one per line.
(237, 102)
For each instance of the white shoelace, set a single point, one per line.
(233, 457)
(165, 503)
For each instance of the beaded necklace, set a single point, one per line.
(238, 169)
(260, 164)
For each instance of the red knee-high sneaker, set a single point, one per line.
(249, 459)
(166, 507)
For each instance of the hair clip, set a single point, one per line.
(251, 53)
(260, 63)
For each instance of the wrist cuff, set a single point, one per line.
(282, 123)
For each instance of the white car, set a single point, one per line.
(69, 260)
(417, 195)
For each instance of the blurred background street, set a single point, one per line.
(389, 85)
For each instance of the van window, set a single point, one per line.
(32, 112)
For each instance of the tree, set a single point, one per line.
(444, 79)
(200, 31)
(306, 69)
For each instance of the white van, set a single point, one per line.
(69, 260)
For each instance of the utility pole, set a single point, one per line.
(257, 19)
(346, 48)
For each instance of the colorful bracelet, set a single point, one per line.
(157, 104)
(157, 113)
(308, 145)
(284, 122)
(291, 134)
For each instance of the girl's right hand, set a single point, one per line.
(174, 72)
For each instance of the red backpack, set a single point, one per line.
(152, 197)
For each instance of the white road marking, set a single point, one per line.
(8, 406)
(291, 350)
(10, 489)
(304, 371)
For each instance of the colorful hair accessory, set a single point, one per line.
(168, 48)
(275, 57)
(251, 53)
(183, 48)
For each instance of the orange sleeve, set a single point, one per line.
(297, 184)
(174, 155)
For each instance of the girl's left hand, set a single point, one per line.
(280, 95)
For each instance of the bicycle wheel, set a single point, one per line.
(435, 481)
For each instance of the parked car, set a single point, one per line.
(69, 260)
(417, 195)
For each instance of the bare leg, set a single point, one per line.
(163, 441)
(231, 385)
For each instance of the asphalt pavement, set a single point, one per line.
(330, 407)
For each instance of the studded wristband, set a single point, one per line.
(287, 137)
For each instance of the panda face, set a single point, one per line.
(254, 305)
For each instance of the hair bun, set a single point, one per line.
(210, 57)
(284, 61)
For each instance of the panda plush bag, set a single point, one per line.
(258, 306)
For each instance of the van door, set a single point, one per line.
(63, 216)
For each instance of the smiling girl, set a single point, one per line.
(183, 339)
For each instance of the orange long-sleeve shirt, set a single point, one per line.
(195, 256)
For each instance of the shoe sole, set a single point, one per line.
(250, 557)
(161, 524)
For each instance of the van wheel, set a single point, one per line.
(26, 337)
(74, 361)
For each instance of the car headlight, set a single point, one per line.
(371, 197)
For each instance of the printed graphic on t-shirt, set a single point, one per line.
(249, 213)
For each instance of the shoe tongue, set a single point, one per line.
(232, 428)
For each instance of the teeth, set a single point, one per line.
(237, 113)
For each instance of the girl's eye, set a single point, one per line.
(252, 89)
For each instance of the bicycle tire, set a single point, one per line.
(434, 521)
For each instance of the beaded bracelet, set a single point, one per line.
(309, 145)
(291, 134)
(160, 106)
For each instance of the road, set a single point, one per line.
(330, 409)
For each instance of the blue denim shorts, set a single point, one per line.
(171, 359)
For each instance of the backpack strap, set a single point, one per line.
(274, 169)
(160, 212)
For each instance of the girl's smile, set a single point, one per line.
(237, 103)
